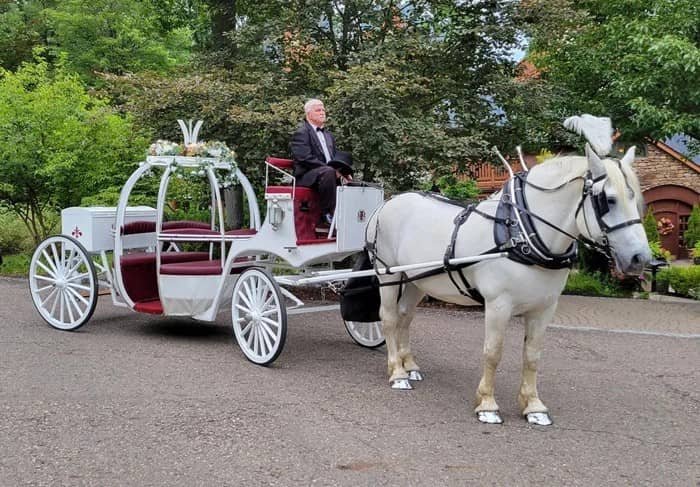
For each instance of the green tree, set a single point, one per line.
(692, 234)
(112, 36)
(59, 143)
(635, 61)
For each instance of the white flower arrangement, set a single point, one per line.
(209, 152)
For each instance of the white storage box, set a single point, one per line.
(94, 226)
(354, 206)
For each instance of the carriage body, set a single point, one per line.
(155, 265)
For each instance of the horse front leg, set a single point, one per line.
(528, 398)
(410, 298)
(496, 320)
(389, 313)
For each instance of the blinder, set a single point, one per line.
(599, 201)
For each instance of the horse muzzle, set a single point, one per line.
(633, 264)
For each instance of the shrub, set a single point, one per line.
(650, 226)
(658, 252)
(692, 234)
(685, 281)
(14, 236)
(15, 265)
(591, 284)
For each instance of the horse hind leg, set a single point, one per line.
(395, 328)
(496, 320)
(528, 398)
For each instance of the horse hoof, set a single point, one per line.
(401, 384)
(541, 419)
(489, 417)
(415, 375)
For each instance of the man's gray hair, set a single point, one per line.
(311, 103)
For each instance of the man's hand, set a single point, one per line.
(343, 179)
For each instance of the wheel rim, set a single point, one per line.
(259, 316)
(63, 283)
(366, 334)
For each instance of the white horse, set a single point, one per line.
(597, 200)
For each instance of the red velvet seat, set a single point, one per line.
(141, 226)
(139, 271)
(307, 210)
(194, 268)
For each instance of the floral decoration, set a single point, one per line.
(216, 150)
(665, 226)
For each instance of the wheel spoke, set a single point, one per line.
(266, 338)
(250, 335)
(47, 298)
(270, 311)
(74, 302)
(250, 295)
(82, 288)
(245, 295)
(246, 330)
(68, 306)
(262, 290)
(79, 276)
(267, 332)
(42, 289)
(51, 272)
(44, 278)
(243, 308)
(79, 296)
(61, 311)
(270, 322)
(57, 260)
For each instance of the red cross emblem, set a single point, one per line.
(361, 215)
(76, 232)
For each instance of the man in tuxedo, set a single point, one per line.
(313, 147)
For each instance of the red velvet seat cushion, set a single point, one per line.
(142, 226)
(307, 211)
(242, 232)
(151, 306)
(194, 268)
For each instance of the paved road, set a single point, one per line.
(137, 400)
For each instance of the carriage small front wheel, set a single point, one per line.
(63, 282)
(259, 316)
(368, 334)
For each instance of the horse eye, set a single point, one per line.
(611, 200)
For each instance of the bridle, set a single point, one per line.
(599, 203)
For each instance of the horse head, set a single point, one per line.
(611, 211)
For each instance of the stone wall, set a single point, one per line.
(659, 168)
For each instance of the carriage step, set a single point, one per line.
(151, 306)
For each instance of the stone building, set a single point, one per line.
(671, 185)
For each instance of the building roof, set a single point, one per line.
(679, 143)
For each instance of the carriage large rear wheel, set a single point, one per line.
(368, 335)
(63, 282)
(259, 316)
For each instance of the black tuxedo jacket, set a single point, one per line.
(306, 149)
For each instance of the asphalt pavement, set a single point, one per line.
(133, 399)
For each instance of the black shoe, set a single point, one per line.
(324, 225)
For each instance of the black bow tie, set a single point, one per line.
(319, 129)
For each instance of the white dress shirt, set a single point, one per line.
(322, 140)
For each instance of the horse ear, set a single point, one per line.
(594, 163)
(629, 156)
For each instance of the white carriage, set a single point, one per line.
(147, 265)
